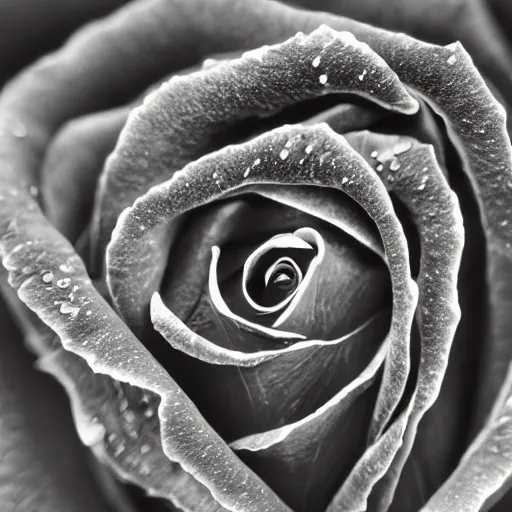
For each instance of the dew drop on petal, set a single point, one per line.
(17, 128)
(47, 276)
(379, 168)
(68, 309)
(284, 154)
(64, 283)
(374, 154)
(323, 79)
(344, 180)
(394, 165)
(402, 147)
(316, 62)
(452, 60)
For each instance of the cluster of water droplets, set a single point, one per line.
(130, 439)
(69, 306)
(388, 159)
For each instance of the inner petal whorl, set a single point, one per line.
(274, 272)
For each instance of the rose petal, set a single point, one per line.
(72, 164)
(119, 425)
(307, 472)
(441, 22)
(47, 24)
(439, 221)
(484, 473)
(42, 464)
(328, 206)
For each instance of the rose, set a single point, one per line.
(71, 312)
(69, 317)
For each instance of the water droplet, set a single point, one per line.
(68, 309)
(145, 448)
(452, 60)
(149, 413)
(421, 187)
(17, 128)
(119, 450)
(309, 149)
(316, 62)
(344, 180)
(402, 147)
(257, 162)
(209, 63)
(361, 76)
(391, 178)
(89, 312)
(284, 154)
(65, 268)
(247, 171)
(64, 283)
(322, 79)
(379, 168)
(47, 276)
(374, 154)
(394, 165)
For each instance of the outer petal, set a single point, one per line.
(30, 28)
(440, 22)
(42, 465)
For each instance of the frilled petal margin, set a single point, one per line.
(440, 22)
(415, 178)
(162, 135)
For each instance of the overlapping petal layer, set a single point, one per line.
(32, 248)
